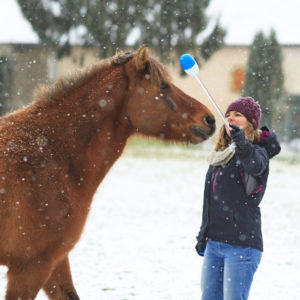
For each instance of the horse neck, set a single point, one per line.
(90, 118)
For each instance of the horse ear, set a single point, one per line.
(119, 52)
(141, 57)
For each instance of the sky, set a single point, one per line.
(241, 18)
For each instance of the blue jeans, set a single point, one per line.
(228, 271)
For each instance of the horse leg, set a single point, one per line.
(60, 285)
(25, 279)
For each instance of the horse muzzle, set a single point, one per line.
(200, 134)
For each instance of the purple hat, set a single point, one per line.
(249, 108)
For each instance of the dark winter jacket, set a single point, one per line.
(232, 195)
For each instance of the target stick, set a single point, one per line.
(190, 66)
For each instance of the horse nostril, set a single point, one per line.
(210, 120)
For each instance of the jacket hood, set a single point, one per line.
(270, 142)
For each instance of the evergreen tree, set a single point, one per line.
(264, 76)
(6, 81)
(170, 26)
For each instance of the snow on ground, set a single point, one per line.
(139, 240)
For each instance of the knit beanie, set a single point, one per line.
(249, 108)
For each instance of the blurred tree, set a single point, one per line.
(6, 81)
(264, 76)
(166, 26)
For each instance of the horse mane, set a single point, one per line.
(158, 75)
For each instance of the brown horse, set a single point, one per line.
(55, 152)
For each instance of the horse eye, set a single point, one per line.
(164, 86)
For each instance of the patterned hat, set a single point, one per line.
(249, 108)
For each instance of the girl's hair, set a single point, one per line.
(225, 140)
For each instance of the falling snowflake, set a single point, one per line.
(102, 103)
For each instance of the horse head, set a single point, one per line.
(156, 107)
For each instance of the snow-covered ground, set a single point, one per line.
(139, 240)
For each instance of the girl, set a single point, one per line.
(230, 236)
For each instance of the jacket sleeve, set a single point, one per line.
(253, 158)
(270, 142)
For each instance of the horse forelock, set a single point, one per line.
(158, 72)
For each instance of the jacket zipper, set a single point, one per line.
(215, 179)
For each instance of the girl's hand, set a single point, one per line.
(237, 134)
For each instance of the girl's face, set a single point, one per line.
(236, 118)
